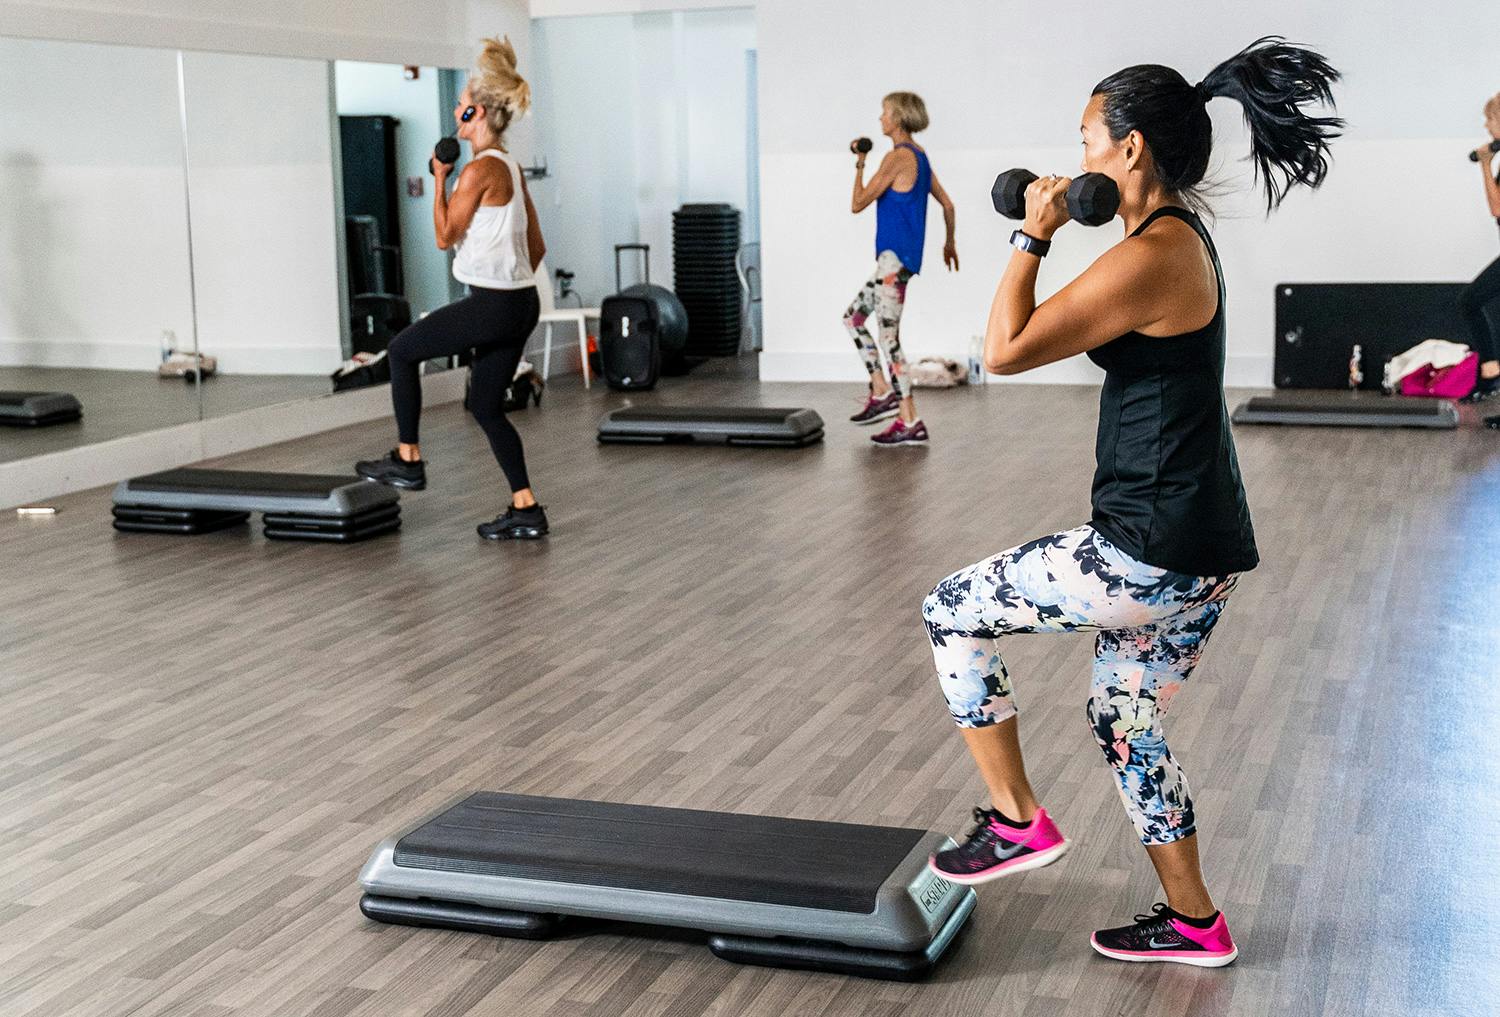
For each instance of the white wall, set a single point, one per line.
(381, 89)
(93, 224)
(575, 8)
(637, 115)
(1005, 85)
(441, 33)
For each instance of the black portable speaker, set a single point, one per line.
(629, 342)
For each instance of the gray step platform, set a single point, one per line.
(780, 892)
(714, 425)
(38, 409)
(1320, 408)
(297, 506)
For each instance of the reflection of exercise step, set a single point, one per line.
(38, 409)
(765, 890)
(705, 240)
(297, 506)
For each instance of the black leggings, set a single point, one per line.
(495, 324)
(1484, 332)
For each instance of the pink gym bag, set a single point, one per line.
(1444, 382)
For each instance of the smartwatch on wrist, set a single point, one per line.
(1030, 244)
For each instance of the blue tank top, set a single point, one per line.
(901, 216)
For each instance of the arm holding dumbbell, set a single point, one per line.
(950, 221)
(885, 176)
(1129, 287)
(451, 215)
(1485, 156)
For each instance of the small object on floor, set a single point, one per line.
(837, 897)
(712, 425)
(188, 366)
(878, 408)
(996, 848)
(297, 506)
(393, 471)
(36, 510)
(902, 433)
(1164, 935)
(529, 523)
(38, 409)
(1337, 408)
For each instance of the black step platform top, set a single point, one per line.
(765, 859)
(243, 482)
(704, 414)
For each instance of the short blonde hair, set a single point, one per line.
(909, 109)
(1492, 107)
(497, 87)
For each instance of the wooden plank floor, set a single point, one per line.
(201, 739)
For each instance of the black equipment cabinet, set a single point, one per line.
(368, 153)
(1319, 324)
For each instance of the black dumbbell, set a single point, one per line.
(1093, 198)
(860, 145)
(1494, 147)
(445, 152)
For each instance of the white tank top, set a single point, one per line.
(493, 253)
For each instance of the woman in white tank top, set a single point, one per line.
(490, 222)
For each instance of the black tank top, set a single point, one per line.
(1167, 486)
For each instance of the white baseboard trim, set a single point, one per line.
(78, 469)
(128, 356)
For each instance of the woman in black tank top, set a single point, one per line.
(1170, 530)
(1484, 292)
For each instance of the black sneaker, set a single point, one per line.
(392, 470)
(516, 524)
(1164, 935)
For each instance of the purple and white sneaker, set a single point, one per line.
(902, 433)
(878, 408)
(1164, 935)
(995, 848)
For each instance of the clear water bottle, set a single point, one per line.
(1356, 366)
(168, 344)
(976, 360)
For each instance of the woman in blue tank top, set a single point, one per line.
(900, 189)
(1170, 531)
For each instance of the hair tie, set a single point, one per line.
(1203, 92)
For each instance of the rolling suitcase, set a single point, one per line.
(629, 335)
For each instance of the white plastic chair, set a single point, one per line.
(552, 314)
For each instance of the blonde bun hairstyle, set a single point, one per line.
(497, 87)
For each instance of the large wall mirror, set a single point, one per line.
(95, 263)
(229, 231)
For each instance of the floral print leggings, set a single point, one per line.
(1152, 625)
(884, 293)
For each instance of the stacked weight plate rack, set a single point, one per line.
(705, 239)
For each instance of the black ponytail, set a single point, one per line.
(1271, 79)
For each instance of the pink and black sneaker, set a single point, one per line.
(878, 408)
(1164, 935)
(996, 848)
(902, 433)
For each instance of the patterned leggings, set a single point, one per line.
(1152, 625)
(883, 293)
